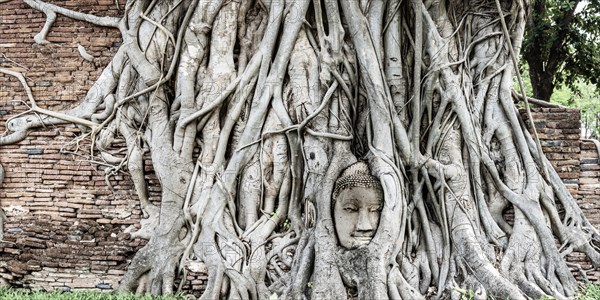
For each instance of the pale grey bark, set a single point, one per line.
(250, 110)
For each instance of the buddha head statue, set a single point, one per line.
(357, 203)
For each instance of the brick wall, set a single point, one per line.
(576, 162)
(588, 197)
(67, 227)
(559, 132)
(589, 181)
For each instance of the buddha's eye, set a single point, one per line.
(376, 209)
(350, 208)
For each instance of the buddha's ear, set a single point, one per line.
(389, 176)
(391, 189)
(310, 214)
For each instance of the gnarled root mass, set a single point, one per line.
(251, 109)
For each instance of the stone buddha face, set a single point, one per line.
(358, 200)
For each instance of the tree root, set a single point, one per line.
(250, 111)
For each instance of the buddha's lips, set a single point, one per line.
(363, 238)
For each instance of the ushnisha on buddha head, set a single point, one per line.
(357, 203)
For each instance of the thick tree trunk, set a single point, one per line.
(251, 110)
(547, 48)
(542, 81)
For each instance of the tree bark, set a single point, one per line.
(251, 110)
(547, 48)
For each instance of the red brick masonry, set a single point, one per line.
(576, 161)
(66, 226)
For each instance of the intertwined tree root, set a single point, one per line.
(250, 110)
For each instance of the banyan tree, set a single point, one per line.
(263, 118)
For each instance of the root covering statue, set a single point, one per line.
(357, 204)
(250, 110)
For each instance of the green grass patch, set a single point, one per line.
(19, 294)
(589, 292)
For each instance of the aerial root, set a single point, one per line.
(443, 232)
(52, 10)
(399, 287)
(152, 270)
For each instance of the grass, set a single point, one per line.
(590, 292)
(19, 294)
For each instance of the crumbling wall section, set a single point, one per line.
(577, 164)
(68, 223)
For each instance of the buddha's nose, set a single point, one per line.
(364, 222)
